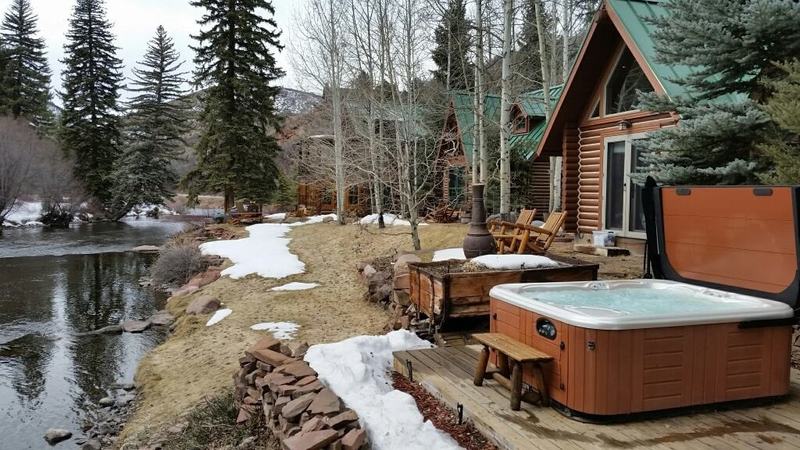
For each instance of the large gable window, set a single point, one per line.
(625, 81)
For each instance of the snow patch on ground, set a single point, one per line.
(296, 286)
(145, 209)
(315, 219)
(281, 330)
(390, 220)
(357, 369)
(264, 252)
(277, 216)
(219, 315)
(448, 253)
(511, 262)
(24, 212)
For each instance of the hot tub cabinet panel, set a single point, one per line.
(616, 372)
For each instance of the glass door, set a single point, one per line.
(615, 185)
(622, 198)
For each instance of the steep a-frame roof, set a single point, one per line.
(463, 107)
(532, 104)
(627, 20)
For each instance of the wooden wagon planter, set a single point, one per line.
(442, 291)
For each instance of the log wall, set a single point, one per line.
(588, 141)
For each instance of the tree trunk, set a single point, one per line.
(480, 143)
(537, 4)
(336, 98)
(566, 16)
(229, 199)
(505, 111)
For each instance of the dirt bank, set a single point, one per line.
(197, 361)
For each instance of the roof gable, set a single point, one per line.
(462, 106)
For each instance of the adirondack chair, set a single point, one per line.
(537, 240)
(504, 232)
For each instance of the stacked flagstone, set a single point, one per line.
(273, 380)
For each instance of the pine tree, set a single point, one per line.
(783, 149)
(526, 58)
(450, 55)
(730, 46)
(236, 65)
(25, 75)
(156, 122)
(91, 80)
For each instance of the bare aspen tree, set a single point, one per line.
(480, 96)
(543, 57)
(505, 112)
(323, 61)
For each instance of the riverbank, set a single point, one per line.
(196, 361)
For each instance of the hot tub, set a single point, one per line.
(634, 346)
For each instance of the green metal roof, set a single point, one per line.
(532, 103)
(464, 108)
(634, 15)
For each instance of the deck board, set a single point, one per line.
(447, 373)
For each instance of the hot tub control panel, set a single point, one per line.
(546, 328)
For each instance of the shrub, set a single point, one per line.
(176, 264)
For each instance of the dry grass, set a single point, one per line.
(197, 362)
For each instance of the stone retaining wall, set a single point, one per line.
(274, 381)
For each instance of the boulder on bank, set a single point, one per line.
(56, 435)
(162, 319)
(205, 304)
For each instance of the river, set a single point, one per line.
(54, 284)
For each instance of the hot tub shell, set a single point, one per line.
(740, 240)
(605, 368)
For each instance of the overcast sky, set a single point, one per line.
(134, 24)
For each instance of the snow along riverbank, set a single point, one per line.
(265, 252)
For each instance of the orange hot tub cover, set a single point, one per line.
(735, 238)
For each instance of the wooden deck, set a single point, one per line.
(447, 373)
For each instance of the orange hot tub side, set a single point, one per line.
(613, 373)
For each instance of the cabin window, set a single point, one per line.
(625, 81)
(352, 195)
(455, 185)
(520, 124)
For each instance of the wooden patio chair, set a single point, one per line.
(505, 232)
(537, 240)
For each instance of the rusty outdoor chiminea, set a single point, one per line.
(479, 240)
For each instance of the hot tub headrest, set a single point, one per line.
(743, 239)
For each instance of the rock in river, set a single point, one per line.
(56, 435)
(135, 326)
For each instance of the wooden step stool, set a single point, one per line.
(509, 349)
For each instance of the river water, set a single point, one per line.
(54, 284)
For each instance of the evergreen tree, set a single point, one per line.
(25, 75)
(730, 45)
(236, 66)
(526, 59)
(452, 47)
(154, 128)
(91, 80)
(783, 149)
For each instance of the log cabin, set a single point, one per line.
(457, 145)
(595, 125)
(454, 161)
